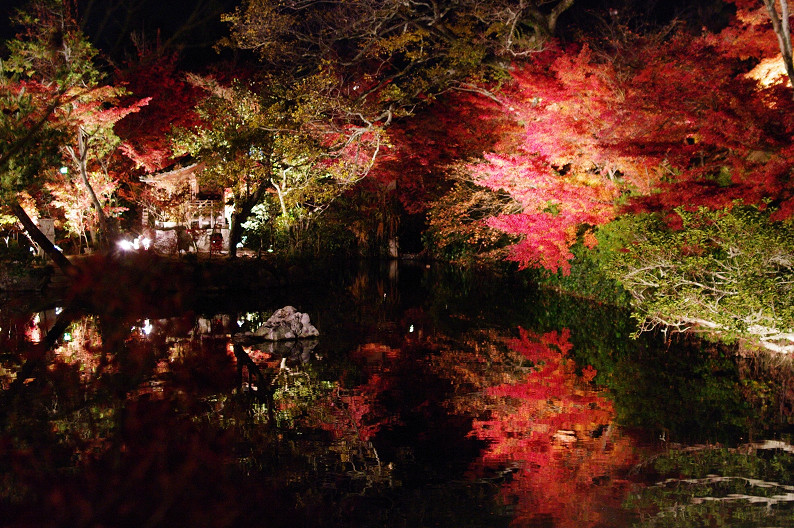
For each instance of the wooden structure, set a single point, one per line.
(193, 220)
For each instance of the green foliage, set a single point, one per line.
(50, 46)
(259, 227)
(391, 55)
(12, 252)
(274, 142)
(27, 143)
(730, 270)
(718, 487)
(587, 278)
(55, 108)
(7, 220)
(44, 66)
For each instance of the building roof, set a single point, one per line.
(174, 179)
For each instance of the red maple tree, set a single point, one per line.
(636, 123)
(155, 76)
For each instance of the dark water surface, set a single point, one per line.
(432, 397)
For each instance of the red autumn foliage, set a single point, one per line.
(750, 35)
(554, 207)
(355, 413)
(670, 120)
(555, 432)
(421, 148)
(172, 101)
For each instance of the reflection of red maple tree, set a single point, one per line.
(354, 412)
(557, 434)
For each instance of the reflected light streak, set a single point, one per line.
(33, 332)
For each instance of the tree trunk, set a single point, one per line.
(780, 24)
(235, 234)
(551, 20)
(41, 239)
(107, 233)
(280, 193)
(240, 216)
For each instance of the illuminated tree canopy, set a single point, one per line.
(513, 140)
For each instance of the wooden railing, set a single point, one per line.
(212, 205)
(194, 210)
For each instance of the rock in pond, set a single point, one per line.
(287, 323)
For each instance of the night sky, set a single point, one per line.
(193, 26)
(189, 26)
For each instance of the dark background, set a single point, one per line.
(192, 27)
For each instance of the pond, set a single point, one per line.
(432, 397)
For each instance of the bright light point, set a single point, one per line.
(146, 242)
(67, 336)
(769, 71)
(240, 322)
(126, 245)
(410, 329)
(147, 327)
(239, 244)
(58, 310)
(64, 170)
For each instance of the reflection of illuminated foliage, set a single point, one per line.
(83, 347)
(353, 419)
(145, 428)
(550, 429)
(350, 416)
(295, 394)
(312, 436)
(710, 486)
(483, 363)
